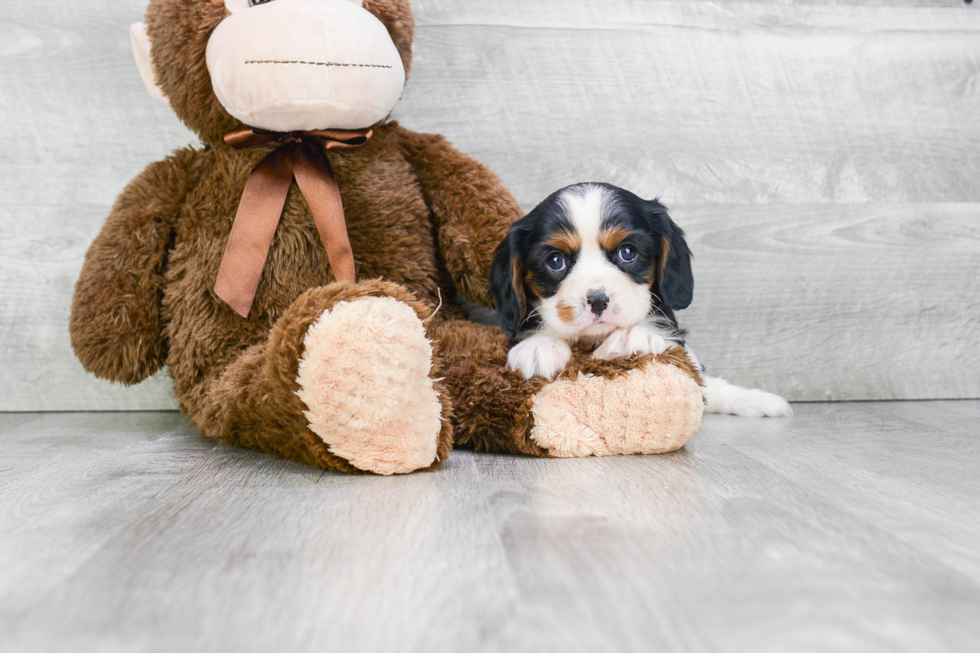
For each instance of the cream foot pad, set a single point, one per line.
(365, 377)
(653, 409)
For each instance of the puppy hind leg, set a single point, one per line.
(726, 398)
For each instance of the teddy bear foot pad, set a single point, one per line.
(365, 378)
(653, 409)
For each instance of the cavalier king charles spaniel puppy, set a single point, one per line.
(595, 263)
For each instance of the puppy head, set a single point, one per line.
(591, 258)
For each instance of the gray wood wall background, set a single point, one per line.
(822, 156)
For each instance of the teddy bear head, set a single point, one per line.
(278, 65)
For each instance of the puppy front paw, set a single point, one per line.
(641, 339)
(539, 356)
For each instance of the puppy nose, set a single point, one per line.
(598, 300)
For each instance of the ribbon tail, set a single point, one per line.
(318, 185)
(252, 232)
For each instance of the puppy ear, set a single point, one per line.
(507, 284)
(675, 280)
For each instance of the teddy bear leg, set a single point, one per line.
(650, 404)
(492, 406)
(345, 381)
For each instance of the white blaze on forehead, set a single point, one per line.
(583, 206)
(584, 209)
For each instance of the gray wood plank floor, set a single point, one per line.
(850, 527)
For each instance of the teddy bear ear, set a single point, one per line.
(141, 51)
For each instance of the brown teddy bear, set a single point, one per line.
(299, 273)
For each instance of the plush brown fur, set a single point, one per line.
(397, 17)
(423, 221)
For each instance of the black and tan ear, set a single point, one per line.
(674, 282)
(507, 285)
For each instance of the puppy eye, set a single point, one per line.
(253, 3)
(626, 254)
(556, 262)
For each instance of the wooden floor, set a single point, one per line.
(850, 527)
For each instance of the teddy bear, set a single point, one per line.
(301, 272)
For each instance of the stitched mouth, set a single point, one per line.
(336, 64)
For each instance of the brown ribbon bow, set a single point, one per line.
(300, 155)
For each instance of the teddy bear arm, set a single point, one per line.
(492, 405)
(115, 324)
(644, 404)
(471, 208)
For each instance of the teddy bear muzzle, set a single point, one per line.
(338, 69)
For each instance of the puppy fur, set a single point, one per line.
(598, 265)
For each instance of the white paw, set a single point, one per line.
(641, 339)
(539, 356)
(724, 397)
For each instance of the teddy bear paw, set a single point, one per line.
(652, 409)
(365, 377)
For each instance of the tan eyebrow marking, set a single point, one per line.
(565, 241)
(611, 237)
